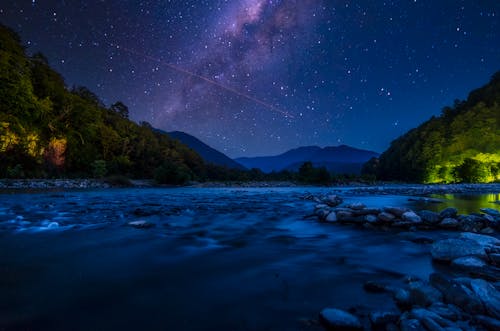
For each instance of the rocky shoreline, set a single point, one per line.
(463, 295)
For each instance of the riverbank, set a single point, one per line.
(354, 188)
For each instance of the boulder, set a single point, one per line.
(410, 216)
(448, 250)
(397, 211)
(489, 296)
(371, 218)
(386, 217)
(472, 223)
(427, 315)
(356, 206)
(481, 239)
(336, 319)
(468, 263)
(457, 294)
(429, 216)
(423, 294)
(333, 200)
(449, 213)
(450, 312)
(449, 223)
(332, 217)
(402, 299)
(491, 212)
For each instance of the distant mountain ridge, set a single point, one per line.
(209, 154)
(340, 159)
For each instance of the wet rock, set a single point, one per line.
(410, 216)
(423, 294)
(481, 239)
(491, 324)
(449, 223)
(429, 316)
(471, 223)
(402, 299)
(332, 217)
(451, 249)
(386, 217)
(489, 296)
(344, 215)
(381, 318)
(448, 213)
(457, 294)
(397, 211)
(411, 325)
(468, 262)
(356, 206)
(371, 218)
(491, 212)
(322, 213)
(449, 312)
(321, 206)
(487, 230)
(141, 224)
(366, 211)
(336, 319)
(333, 200)
(429, 216)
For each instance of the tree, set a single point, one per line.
(121, 109)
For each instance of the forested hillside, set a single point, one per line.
(461, 145)
(48, 130)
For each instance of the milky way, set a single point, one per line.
(256, 77)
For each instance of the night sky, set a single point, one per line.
(255, 77)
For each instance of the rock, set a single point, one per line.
(425, 314)
(332, 217)
(336, 319)
(457, 294)
(449, 223)
(322, 213)
(487, 230)
(416, 238)
(411, 325)
(471, 223)
(333, 200)
(386, 217)
(397, 211)
(429, 216)
(423, 294)
(451, 249)
(402, 299)
(481, 239)
(491, 324)
(448, 213)
(343, 215)
(356, 206)
(450, 312)
(468, 262)
(141, 224)
(489, 296)
(491, 212)
(371, 218)
(321, 206)
(366, 211)
(410, 216)
(381, 318)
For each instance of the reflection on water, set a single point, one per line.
(465, 203)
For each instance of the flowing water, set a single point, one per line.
(216, 259)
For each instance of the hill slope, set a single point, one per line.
(47, 129)
(340, 159)
(208, 153)
(461, 145)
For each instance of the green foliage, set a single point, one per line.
(99, 168)
(463, 144)
(311, 175)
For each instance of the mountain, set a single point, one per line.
(461, 145)
(340, 159)
(208, 153)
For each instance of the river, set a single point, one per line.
(216, 259)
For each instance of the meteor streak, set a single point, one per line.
(206, 79)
